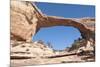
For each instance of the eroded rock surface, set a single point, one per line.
(26, 20)
(34, 49)
(36, 53)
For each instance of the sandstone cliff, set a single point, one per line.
(27, 20)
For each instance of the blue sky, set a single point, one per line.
(61, 36)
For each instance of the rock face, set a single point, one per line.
(34, 49)
(26, 20)
(35, 53)
(23, 20)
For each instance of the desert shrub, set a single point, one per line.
(49, 45)
(77, 44)
(40, 41)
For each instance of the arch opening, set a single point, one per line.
(60, 37)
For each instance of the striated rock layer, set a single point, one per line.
(37, 53)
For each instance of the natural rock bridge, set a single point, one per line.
(27, 19)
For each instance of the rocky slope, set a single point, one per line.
(33, 49)
(36, 53)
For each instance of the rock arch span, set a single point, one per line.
(27, 19)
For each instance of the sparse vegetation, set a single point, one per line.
(49, 45)
(40, 41)
(77, 44)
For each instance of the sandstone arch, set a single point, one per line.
(27, 19)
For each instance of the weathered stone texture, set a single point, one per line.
(26, 20)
